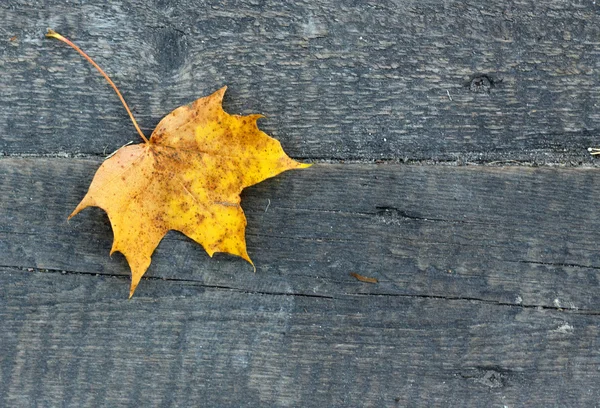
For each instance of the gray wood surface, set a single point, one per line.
(77, 341)
(487, 293)
(426, 122)
(394, 80)
(495, 234)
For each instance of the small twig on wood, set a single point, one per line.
(594, 151)
(363, 278)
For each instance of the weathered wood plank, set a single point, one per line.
(502, 235)
(70, 340)
(398, 80)
(488, 276)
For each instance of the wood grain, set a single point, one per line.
(459, 81)
(72, 340)
(510, 235)
(488, 276)
(487, 293)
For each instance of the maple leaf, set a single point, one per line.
(187, 177)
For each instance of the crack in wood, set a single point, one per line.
(587, 312)
(454, 160)
(491, 376)
(559, 264)
(393, 215)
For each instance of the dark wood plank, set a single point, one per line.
(501, 235)
(393, 80)
(487, 276)
(72, 340)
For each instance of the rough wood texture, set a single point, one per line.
(485, 233)
(488, 276)
(488, 288)
(76, 341)
(394, 80)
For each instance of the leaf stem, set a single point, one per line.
(53, 34)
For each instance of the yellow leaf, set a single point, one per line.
(187, 178)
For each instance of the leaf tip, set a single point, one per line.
(74, 213)
(244, 255)
(256, 116)
(135, 280)
(220, 92)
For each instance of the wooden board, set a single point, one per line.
(337, 80)
(487, 273)
(74, 340)
(492, 234)
(487, 289)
